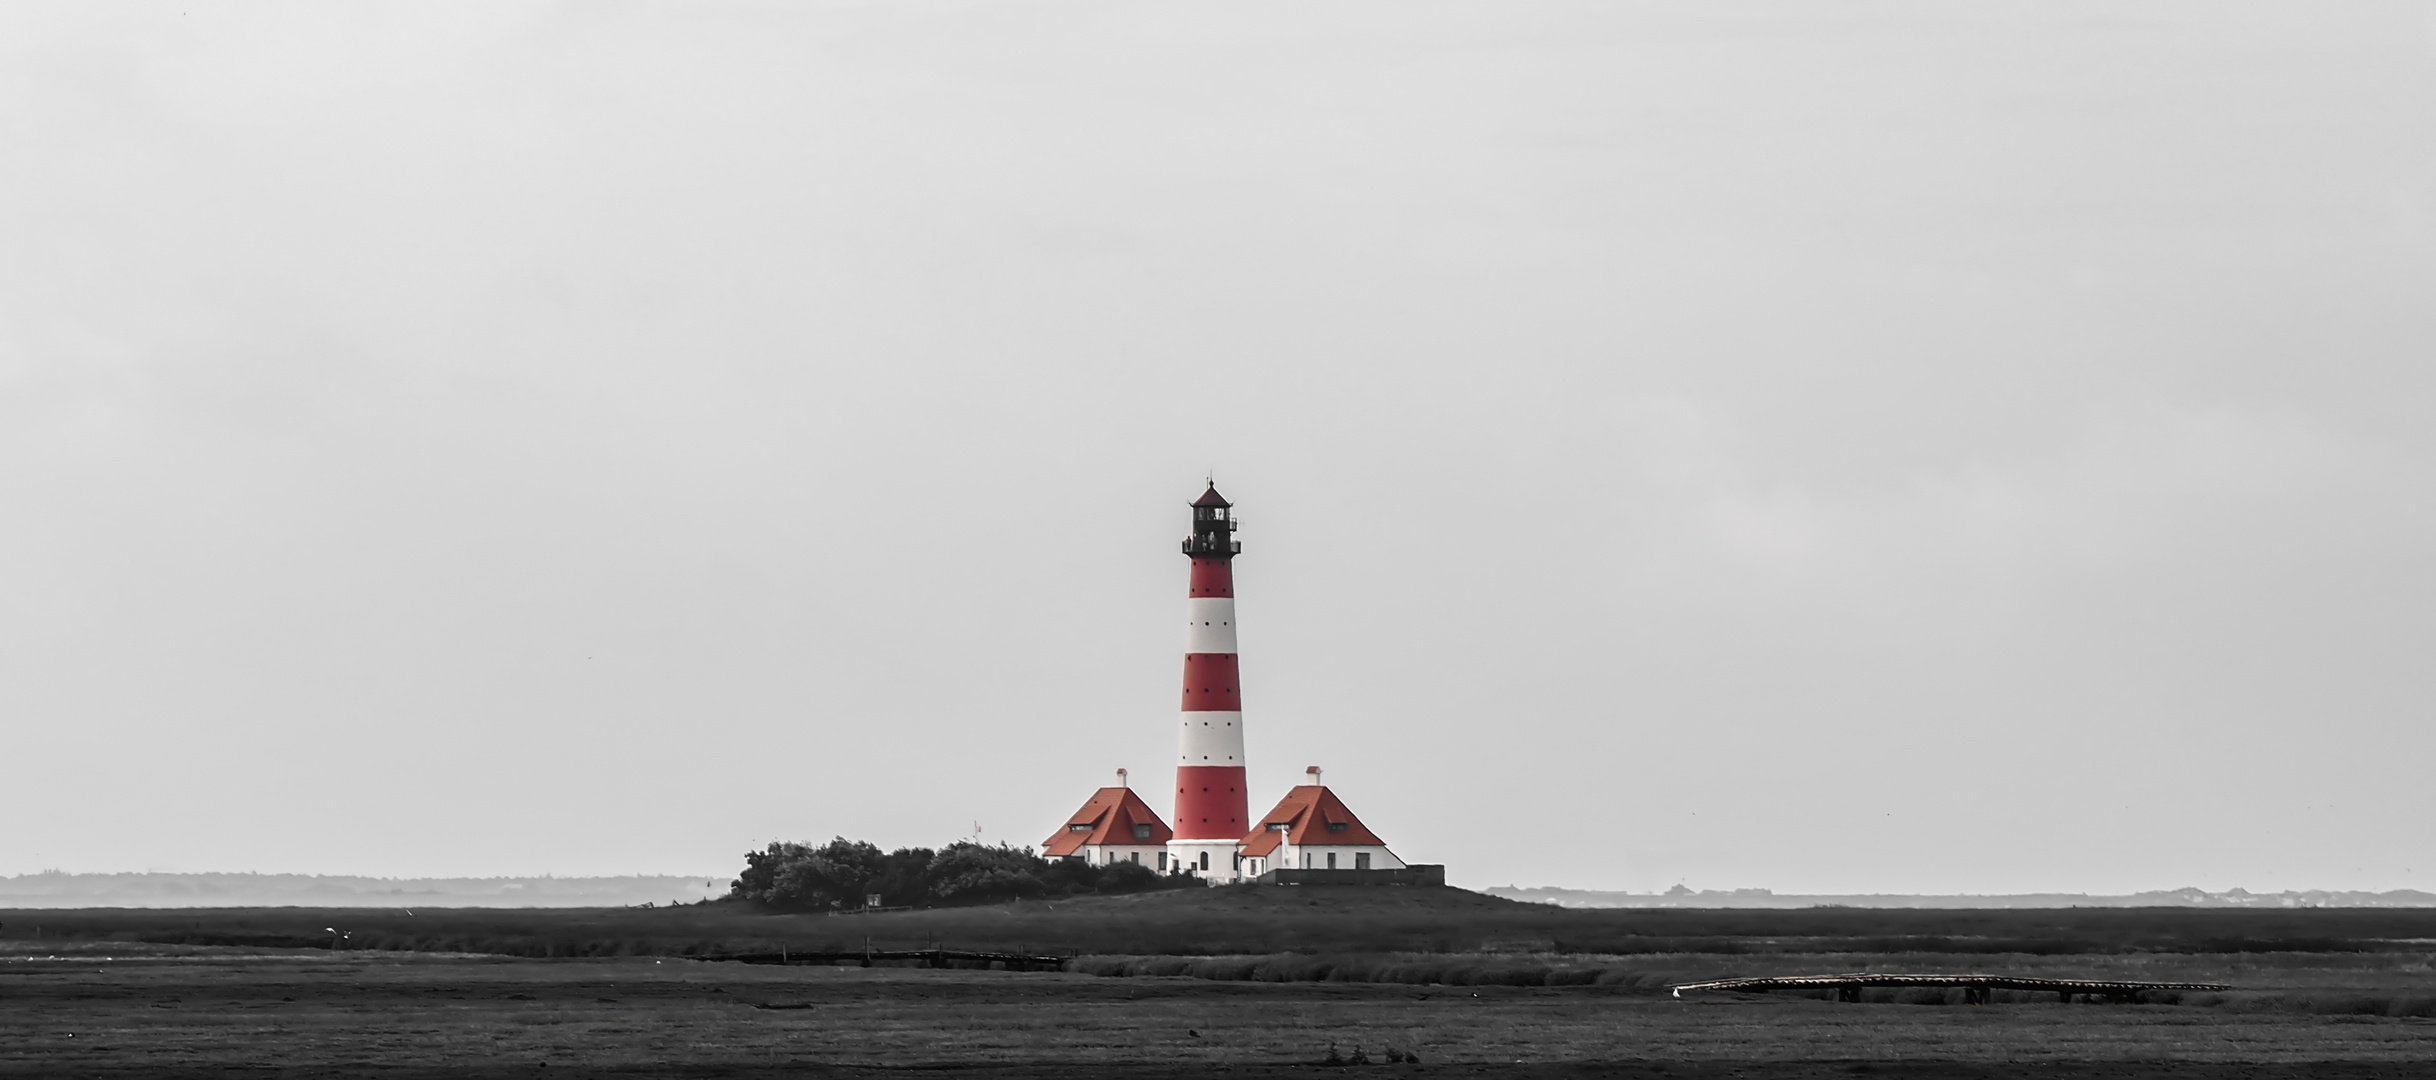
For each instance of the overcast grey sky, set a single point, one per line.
(1825, 446)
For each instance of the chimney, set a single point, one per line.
(1311, 776)
(1121, 781)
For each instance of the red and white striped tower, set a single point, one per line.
(1211, 815)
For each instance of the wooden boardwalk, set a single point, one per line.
(1975, 988)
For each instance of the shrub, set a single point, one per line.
(840, 873)
(904, 877)
(799, 876)
(968, 873)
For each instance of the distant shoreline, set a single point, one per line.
(1680, 897)
(54, 889)
(211, 890)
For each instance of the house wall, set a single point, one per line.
(1103, 854)
(1413, 874)
(1222, 858)
(1315, 857)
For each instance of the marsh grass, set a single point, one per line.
(369, 1013)
(1428, 969)
(2420, 1004)
(2319, 984)
(1500, 937)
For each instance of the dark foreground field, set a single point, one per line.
(2346, 995)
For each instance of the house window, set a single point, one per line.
(1280, 826)
(1079, 827)
(1205, 860)
(1141, 832)
(1134, 857)
(1336, 826)
(1162, 862)
(1361, 860)
(1332, 860)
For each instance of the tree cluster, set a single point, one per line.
(840, 873)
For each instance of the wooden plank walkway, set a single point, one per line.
(1975, 988)
(937, 958)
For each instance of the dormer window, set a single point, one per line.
(1080, 826)
(1280, 826)
(1336, 826)
(1141, 832)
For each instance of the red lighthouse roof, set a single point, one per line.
(1110, 817)
(1212, 498)
(1309, 815)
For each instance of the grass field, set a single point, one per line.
(1471, 985)
(1263, 920)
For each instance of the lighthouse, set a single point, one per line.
(1211, 814)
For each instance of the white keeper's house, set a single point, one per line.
(1113, 826)
(1310, 829)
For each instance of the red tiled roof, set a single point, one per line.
(1112, 812)
(1306, 812)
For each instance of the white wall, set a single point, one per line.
(1103, 854)
(1315, 857)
